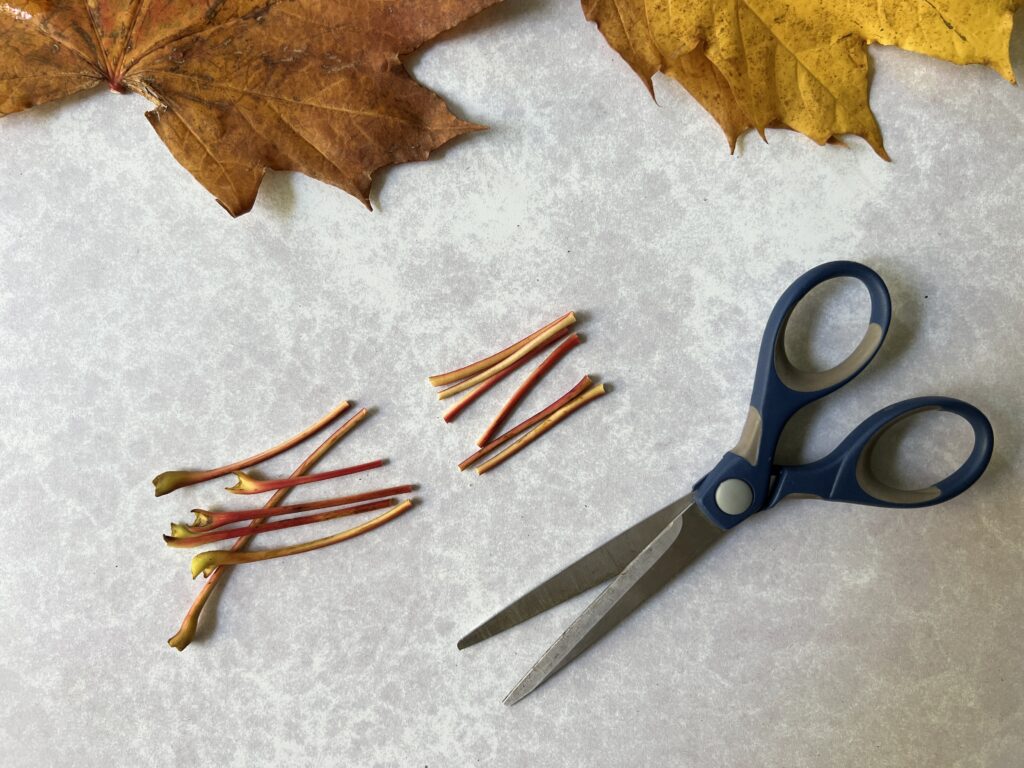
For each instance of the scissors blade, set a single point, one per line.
(689, 535)
(605, 562)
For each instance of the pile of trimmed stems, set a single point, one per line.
(477, 378)
(242, 525)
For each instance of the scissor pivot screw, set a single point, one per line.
(733, 496)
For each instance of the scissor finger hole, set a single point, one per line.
(824, 340)
(908, 457)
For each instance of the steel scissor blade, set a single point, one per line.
(605, 562)
(689, 535)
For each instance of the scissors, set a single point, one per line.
(645, 557)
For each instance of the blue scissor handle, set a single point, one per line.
(846, 473)
(739, 486)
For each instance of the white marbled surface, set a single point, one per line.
(142, 329)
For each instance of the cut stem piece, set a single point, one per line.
(483, 386)
(574, 405)
(480, 365)
(166, 482)
(248, 485)
(208, 521)
(208, 562)
(277, 525)
(528, 384)
(518, 429)
(522, 352)
(187, 631)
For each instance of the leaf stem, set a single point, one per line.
(248, 485)
(278, 525)
(208, 521)
(210, 561)
(166, 482)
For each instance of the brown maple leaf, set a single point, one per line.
(241, 86)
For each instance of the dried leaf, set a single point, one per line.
(241, 86)
(801, 64)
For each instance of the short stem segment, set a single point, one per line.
(548, 423)
(528, 384)
(520, 428)
(484, 386)
(480, 365)
(462, 386)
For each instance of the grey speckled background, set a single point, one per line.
(142, 329)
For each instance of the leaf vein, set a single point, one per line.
(297, 102)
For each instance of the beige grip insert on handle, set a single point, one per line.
(800, 380)
(870, 483)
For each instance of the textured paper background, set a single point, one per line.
(142, 329)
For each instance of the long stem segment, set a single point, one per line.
(548, 423)
(484, 386)
(480, 365)
(208, 521)
(187, 632)
(518, 429)
(248, 485)
(208, 562)
(528, 384)
(462, 386)
(166, 482)
(277, 525)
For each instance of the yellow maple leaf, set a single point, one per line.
(800, 64)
